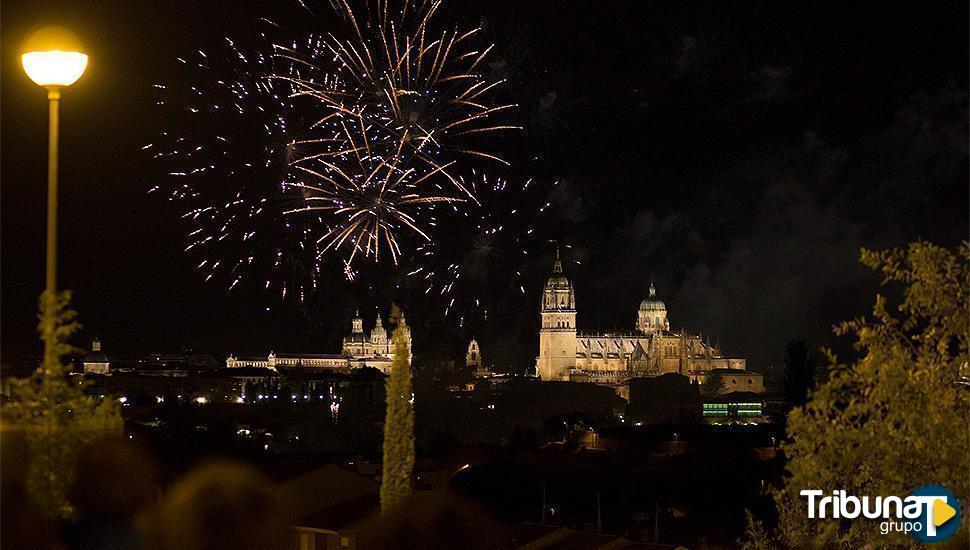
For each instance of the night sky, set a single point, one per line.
(737, 153)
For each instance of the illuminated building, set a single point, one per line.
(375, 349)
(649, 350)
(739, 404)
(473, 357)
(377, 345)
(474, 361)
(96, 362)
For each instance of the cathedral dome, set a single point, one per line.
(652, 303)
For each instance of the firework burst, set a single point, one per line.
(423, 91)
(367, 207)
(409, 110)
(298, 155)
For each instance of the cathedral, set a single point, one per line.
(378, 343)
(612, 358)
(374, 349)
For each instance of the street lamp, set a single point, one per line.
(53, 59)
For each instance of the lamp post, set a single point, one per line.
(53, 59)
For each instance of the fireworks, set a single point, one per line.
(227, 155)
(410, 107)
(370, 205)
(297, 156)
(482, 250)
(423, 93)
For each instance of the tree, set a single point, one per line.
(55, 414)
(894, 419)
(713, 385)
(800, 367)
(398, 464)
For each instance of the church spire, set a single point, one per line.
(653, 290)
(557, 266)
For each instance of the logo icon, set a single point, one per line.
(942, 518)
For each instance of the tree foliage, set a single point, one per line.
(896, 418)
(398, 464)
(55, 414)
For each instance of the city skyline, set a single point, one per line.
(743, 232)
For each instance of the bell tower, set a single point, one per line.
(357, 325)
(473, 357)
(557, 334)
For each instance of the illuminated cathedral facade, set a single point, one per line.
(651, 349)
(374, 345)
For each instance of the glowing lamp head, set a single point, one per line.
(53, 57)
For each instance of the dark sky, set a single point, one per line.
(737, 153)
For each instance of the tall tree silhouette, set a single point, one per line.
(398, 424)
